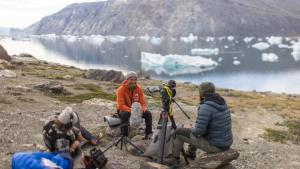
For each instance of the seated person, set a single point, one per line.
(128, 93)
(212, 130)
(60, 133)
(84, 132)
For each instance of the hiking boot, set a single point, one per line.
(173, 163)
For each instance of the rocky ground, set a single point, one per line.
(265, 125)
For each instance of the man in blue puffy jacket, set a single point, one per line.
(212, 130)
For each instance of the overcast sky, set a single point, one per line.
(22, 13)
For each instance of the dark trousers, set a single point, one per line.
(84, 132)
(125, 120)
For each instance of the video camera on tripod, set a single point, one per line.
(158, 89)
(168, 93)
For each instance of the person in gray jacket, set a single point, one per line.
(212, 130)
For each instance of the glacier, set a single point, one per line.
(173, 64)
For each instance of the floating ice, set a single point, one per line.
(176, 64)
(226, 46)
(94, 39)
(115, 38)
(261, 46)
(130, 37)
(145, 37)
(296, 51)
(284, 46)
(221, 38)
(274, 40)
(269, 57)
(69, 38)
(190, 39)
(248, 39)
(230, 38)
(47, 36)
(210, 39)
(236, 62)
(206, 51)
(156, 41)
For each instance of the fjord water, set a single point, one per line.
(240, 63)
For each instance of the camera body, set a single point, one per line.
(153, 89)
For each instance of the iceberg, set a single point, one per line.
(261, 46)
(296, 51)
(190, 39)
(94, 39)
(156, 40)
(236, 62)
(145, 37)
(269, 57)
(274, 40)
(176, 64)
(248, 39)
(230, 38)
(69, 38)
(284, 46)
(115, 38)
(206, 51)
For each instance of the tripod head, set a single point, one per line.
(158, 89)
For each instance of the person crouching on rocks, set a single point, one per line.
(60, 133)
(212, 131)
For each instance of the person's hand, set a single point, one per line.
(75, 145)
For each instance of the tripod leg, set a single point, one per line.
(136, 147)
(115, 143)
(122, 141)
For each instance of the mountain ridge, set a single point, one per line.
(174, 18)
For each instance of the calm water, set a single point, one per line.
(240, 65)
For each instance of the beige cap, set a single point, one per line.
(68, 115)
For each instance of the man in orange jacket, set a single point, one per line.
(128, 93)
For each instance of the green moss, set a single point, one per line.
(292, 134)
(94, 92)
(275, 135)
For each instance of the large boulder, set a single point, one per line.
(7, 73)
(216, 160)
(25, 55)
(105, 75)
(55, 87)
(3, 54)
(152, 165)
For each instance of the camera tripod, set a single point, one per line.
(123, 140)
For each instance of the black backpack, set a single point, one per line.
(96, 160)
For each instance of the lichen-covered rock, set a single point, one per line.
(3, 54)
